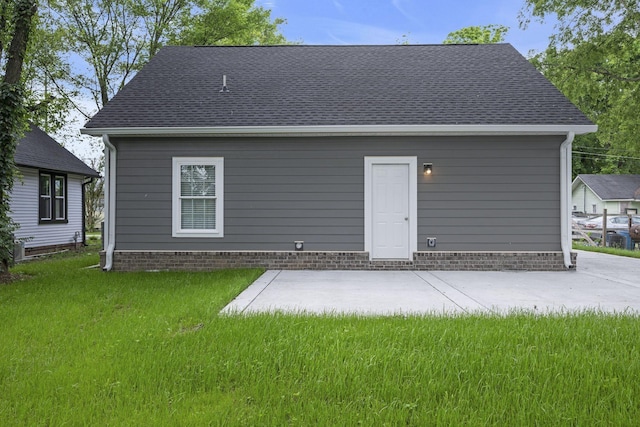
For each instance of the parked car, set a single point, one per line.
(613, 222)
(581, 221)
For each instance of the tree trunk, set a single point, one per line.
(25, 9)
(11, 117)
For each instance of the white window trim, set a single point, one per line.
(177, 231)
(45, 196)
(412, 162)
(63, 198)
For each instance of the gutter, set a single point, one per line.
(565, 199)
(344, 130)
(110, 154)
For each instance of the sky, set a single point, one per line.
(386, 21)
(338, 22)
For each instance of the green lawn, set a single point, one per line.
(608, 250)
(82, 347)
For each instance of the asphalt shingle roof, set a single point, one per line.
(38, 150)
(338, 85)
(613, 187)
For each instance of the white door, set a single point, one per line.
(390, 211)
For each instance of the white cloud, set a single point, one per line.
(267, 4)
(398, 5)
(349, 32)
(402, 6)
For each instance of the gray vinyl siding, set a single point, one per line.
(24, 211)
(486, 193)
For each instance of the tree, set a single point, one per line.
(482, 34)
(594, 59)
(104, 33)
(115, 38)
(404, 40)
(47, 105)
(94, 197)
(229, 22)
(611, 103)
(15, 24)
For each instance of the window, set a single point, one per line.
(45, 197)
(595, 208)
(198, 196)
(623, 206)
(59, 202)
(53, 197)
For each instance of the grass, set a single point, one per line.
(94, 238)
(82, 347)
(608, 250)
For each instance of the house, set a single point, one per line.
(618, 194)
(342, 157)
(47, 196)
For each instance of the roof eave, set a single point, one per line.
(350, 130)
(93, 174)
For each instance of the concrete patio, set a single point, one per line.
(602, 282)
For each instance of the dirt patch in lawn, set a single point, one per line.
(9, 278)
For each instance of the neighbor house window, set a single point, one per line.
(198, 196)
(53, 197)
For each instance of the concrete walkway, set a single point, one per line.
(603, 282)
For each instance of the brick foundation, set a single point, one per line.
(40, 250)
(453, 261)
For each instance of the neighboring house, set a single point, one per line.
(618, 194)
(352, 157)
(47, 196)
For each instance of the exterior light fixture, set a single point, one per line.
(428, 168)
(298, 245)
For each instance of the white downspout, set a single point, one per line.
(109, 201)
(565, 199)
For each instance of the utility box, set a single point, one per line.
(628, 242)
(615, 240)
(18, 251)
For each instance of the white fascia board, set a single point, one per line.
(576, 183)
(369, 130)
(592, 191)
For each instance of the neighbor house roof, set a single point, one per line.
(612, 187)
(38, 150)
(297, 86)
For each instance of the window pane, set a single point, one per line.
(45, 197)
(198, 180)
(59, 206)
(59, 184)
(198, 214)
(45, 185)
(45, 207)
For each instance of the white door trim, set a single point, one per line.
(412, 162)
